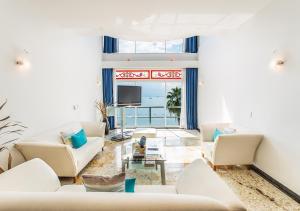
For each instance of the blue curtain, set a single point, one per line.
(191, 98)
(110, 45)
(108, 94)
(191, 44)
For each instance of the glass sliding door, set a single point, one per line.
(160, 105)
(173, 103)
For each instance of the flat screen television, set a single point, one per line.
(129, 95)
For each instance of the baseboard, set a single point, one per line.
(277, 184)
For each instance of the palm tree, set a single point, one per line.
(174, 102)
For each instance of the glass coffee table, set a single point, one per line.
(153, 156)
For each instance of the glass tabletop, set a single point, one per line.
(153, 150)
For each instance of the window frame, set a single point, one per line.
(165, 47)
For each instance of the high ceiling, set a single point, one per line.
(143, 20)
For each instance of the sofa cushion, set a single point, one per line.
(207, 130)
(79, 139)
(54, 135)
(70, 129)
(130, 185)
(217, 133)
(32, 176)
(199, 179)
(97, 183)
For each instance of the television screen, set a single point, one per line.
(129, 95)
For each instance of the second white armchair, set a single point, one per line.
(238, 148)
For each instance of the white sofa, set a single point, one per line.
(238, 148)
(33, 186)
(65, 160)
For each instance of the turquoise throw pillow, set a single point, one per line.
(79, 139)
(217, 133)
(129, 185)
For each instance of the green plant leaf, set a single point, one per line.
(4, 119)
(3, 104)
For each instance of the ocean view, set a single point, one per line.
(153, 102)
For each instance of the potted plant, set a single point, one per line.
(103, 109)
(9, 132)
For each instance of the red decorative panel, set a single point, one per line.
(132, 74)
(166, 74)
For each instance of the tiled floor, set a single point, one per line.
(181, 148)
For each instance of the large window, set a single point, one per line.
(160, 105)
(126, 46)
(171, 46)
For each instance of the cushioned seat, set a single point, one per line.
(86, 153)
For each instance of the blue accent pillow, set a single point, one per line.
(129, 185)
(217, 133)
(78, 139)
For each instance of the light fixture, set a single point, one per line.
(21, 62)
(278, 61)
(201, 83)
(98, 82)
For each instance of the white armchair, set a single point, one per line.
(228, 149)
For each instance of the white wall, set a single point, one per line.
(238, 81)
(63, 73)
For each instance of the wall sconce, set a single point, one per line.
(278, 61)
(98, 81)
(22, 62)
(201, 83)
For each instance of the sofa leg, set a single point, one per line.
(202, 154)
(75, 179)
(102, 149)
(214, 167)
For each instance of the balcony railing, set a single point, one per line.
(149, 116)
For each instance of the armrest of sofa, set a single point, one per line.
(59, 156)
(235, 149)
(31, 176)
(199, 179)
(94, 129)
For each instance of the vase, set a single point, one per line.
(107, 126)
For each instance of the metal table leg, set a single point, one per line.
(161, 163)
(125, 164)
